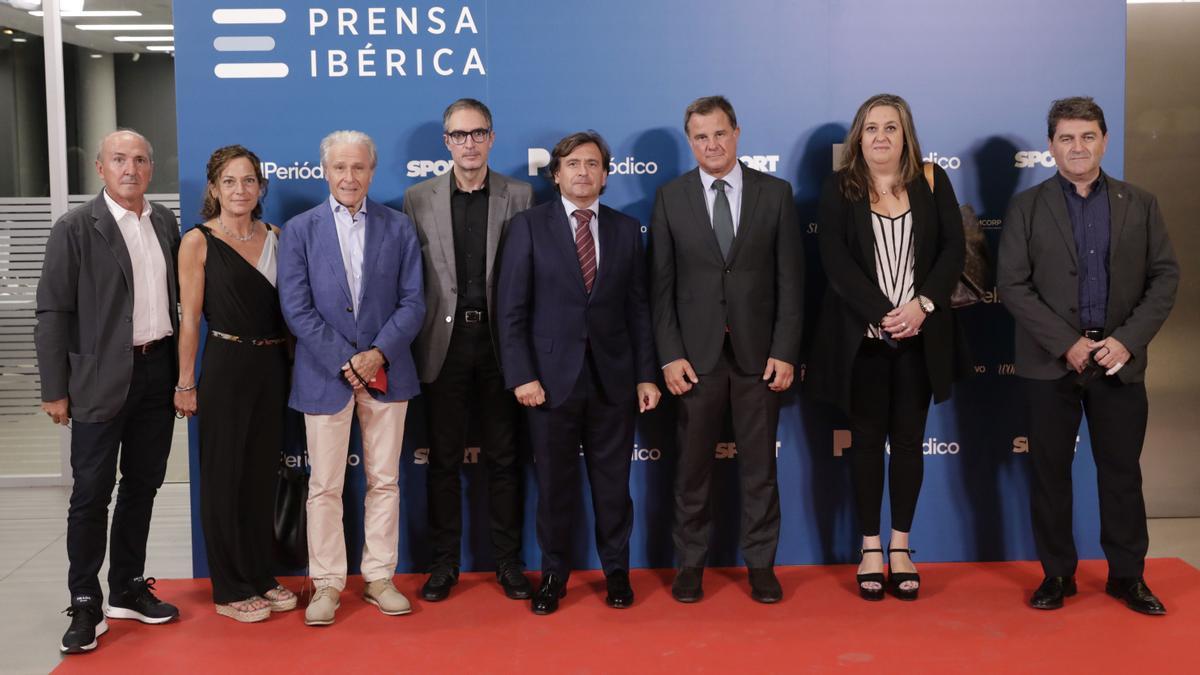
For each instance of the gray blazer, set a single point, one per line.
(428, 204)
(84, 332)
(1037, 277)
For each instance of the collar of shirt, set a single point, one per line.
(341, 214)
(118, 212)
(570, 207)
(484, 190)
(1097, 186)
(734, 178)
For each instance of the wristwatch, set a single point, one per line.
(926, 304)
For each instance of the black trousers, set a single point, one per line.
(471, 371)
(889, 399)
(1116, 414)
(242, 397)
(604, 429)
(140, 435)
(701, 416)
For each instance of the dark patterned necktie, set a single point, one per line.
(585, 248)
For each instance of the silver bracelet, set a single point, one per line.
(181, 389)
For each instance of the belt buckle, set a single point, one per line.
(472, 316)
(146, 348)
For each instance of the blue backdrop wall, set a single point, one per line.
(979, 77)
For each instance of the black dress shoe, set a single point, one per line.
(1052, 591)
(515, 584)
(620, 593)
(1136, 595)
(437, 587)
(545, 601)
(764, 587)
(687, 586)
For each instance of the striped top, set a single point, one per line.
(895, 260)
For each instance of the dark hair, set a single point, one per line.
(216, 164)
(1074, 108)
(568, 145)
(854, 177)
(706, 105)
(466, 104)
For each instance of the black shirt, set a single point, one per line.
(1092, 224)
(468, 214)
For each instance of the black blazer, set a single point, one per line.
(547, 319)
(84, 327)
(1037, 270)
(758, 293)
(853, 299)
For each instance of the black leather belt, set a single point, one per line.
(150, 347)
(473, 316)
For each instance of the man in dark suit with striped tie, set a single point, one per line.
(576, 348)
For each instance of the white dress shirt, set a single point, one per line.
(151, 312)
(594, 225)
(352, 237)
(733, 191)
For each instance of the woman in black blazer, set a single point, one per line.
(887, 339)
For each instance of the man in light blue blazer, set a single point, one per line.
(350, 289)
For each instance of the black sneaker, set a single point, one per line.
(138, 602)
(87, 624)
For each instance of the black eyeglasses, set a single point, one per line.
(460, 137)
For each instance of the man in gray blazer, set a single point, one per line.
(106, 320)
(460, 219)
(1087, 270)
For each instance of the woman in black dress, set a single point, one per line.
(887, 340)
(227, 268)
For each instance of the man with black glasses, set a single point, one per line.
(460, 220)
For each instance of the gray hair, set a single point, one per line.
(100, 149)
(349, 137)
(466, 104)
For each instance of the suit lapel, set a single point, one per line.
(372, 239)
(865, 234)
(497, 208)
(703, 224)
(750, 190)
(560, 232)
(1118, 207)
(331, 248)
(607, 234)
(1052, 195)
(162, 230)
(107, 227)
(443, 223)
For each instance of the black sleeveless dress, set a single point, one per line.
(241, 400)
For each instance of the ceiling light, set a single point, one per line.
(95, 56)
(144, 38)
(126, 26)
(161, 48)
(93, 13)
(8, 31)
(20, 40)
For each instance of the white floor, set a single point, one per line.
(33, 564)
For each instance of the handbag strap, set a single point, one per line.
(928, 166)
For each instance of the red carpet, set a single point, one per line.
(971, 617)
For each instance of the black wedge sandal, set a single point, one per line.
(872, 594)
(895, 579)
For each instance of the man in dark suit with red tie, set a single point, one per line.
(577, 349)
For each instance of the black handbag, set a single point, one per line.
(291, 516)
(977, 267)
